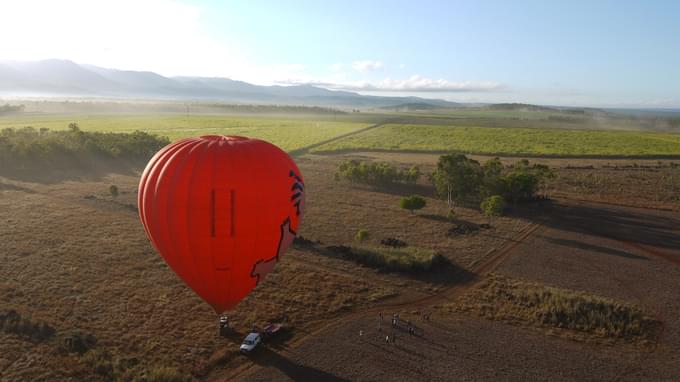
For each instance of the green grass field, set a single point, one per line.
(289, 134)
(509, 141)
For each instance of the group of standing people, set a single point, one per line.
(398, 323)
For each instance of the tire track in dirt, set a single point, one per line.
(650, 305)
(467, 281)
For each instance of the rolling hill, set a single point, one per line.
(63, 78)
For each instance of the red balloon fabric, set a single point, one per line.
(221, 211)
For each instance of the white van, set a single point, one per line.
(250, 343)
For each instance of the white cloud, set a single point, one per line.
(414, 84)
(337, 67)
(366, 66)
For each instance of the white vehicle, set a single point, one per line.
(251, 342)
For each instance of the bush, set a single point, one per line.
(408, 259)
(412, 203)
(12, 322)
(113, 190)
(393, 242)
(493, 206)
(376, 173)
(362, 235)
(504, 298)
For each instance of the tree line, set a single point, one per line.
(372, 173)
(9, 109)
(28, 147)
(459, 180)
(462, 180)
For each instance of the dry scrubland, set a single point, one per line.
(77, 259)
(76, 265)
(89, 268)
(580, 314)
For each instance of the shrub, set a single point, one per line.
(451, 215)
(376, 173)
(412, 203)
(113, 190)
(504, 298)
(493, 206)
(12, 322)
(362, 235)
(409, 259)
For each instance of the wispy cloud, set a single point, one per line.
(366, 66)
(413, 84)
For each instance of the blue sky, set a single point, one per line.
(592, 53)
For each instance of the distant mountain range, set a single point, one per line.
(63, 78)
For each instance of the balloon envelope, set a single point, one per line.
(221, 211)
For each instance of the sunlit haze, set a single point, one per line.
(609, 53)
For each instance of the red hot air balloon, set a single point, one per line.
(221, 211)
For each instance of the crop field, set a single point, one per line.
(289, 134)
(509, 141)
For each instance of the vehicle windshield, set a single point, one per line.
(247, 342)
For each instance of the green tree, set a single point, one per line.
(519, 185)
(457, 178)
(493, 206)
(412, 203)
(412, 175)
(492, 182)
(545, 175)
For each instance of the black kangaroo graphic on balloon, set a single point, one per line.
(262, 267)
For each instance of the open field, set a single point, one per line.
(289, 134)
(492, 132)
(509, 141)
(77, 259)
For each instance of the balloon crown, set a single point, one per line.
(224, 138)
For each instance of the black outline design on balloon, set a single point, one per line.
(298, 190)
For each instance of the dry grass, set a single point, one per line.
(409, 259)
(579, 314)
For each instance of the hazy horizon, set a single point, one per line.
(620, 55)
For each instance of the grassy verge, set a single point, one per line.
(409, 259)
(581, 314)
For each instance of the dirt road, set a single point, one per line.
(625, 253)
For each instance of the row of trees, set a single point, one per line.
(376, 173)
(462, 180)
(27, 147)
(9, 109)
